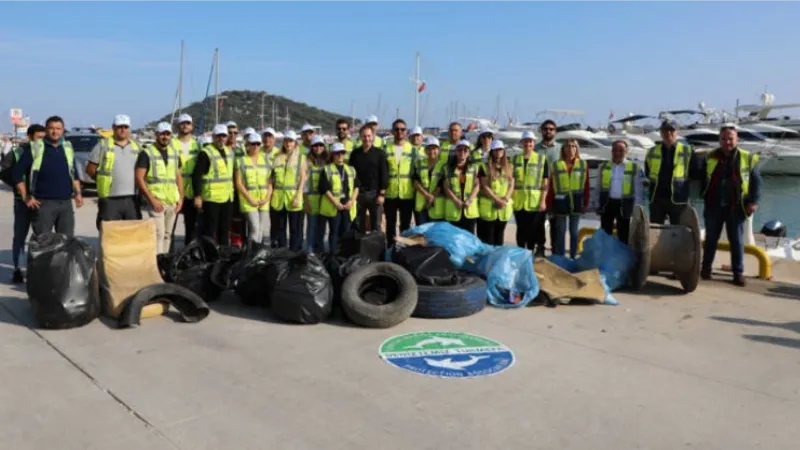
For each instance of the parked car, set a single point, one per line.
(83, 143)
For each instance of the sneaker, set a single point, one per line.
(17, 278)
(739, 280)
(705, 274)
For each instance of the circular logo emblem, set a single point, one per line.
(447, 355)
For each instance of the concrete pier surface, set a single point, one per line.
(715, 369)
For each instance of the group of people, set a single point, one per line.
(331, 187)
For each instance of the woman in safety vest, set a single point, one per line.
(251, 179)
(461, 186)
(339, 186)
(568, 196)
(497, 186)
(315, 229)
(429, 201)
(482, 146)
(289, 173)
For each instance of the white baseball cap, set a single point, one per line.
(528, 135)
(163, 127)
(291, 135)
(184, 118)
(485, 131)
(122, 121)
(463, 142)
(416, 130)
(306, 127)
(371, 119)
(316, 140)
(268, 130)
(253, 138)
(249, 130)
(497, 145)
(220, 129)
(231, 124)
(203, 140)
(338, 147)
(431, 141)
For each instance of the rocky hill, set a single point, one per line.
(244, 108)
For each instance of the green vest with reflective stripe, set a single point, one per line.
(429, 179)
(680, 172)
(37, 152)
(444, 149)
(218, 181)
(286, 182)
(162, 179)
(255, 177)
(486, 206)
(348, 147)
(453, 213)
(105, 169)
(627, 181)
(747, 161)
(528, 181)
(187, 163)
(314, 171)
(377, 142)
(327, 207)
(570, 184)
(400, 185)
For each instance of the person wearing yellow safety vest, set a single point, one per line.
(483, 146)
(343, 136)
(212, 181)
(22, 215)
(461, 186)
(112, 164)
(496, 204)
(619, 184)
(531, 185)
(158, 177)
(46, 179)
(251, 178)
(187, 147)
(427, 176)
(339, 186)
(415, 137)
(315, 225)
(569, 196)
(307, 134)
(669, 168)
(731, 192)
(400, 191)
(289, 174)
(548, 147)
(455, 134)
(268, 144)
(371, 122)
(232, 141)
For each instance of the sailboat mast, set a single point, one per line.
(416, 94)
(180, 83)
(216, 86)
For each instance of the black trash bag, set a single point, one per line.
(278, 268)
(340, 268)
(63, 285)
(198, 280)
(430, 265)
(6, 168)
(221, 271)
(372, 245)
(200, 251)
(305, 296)
(248, 276)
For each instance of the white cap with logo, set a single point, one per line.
(338, 147)
(498, 145)
(184, 118)
(431, 141)
(316, 140)
(253, 138)
(485, 131)
(268, 130)
(463, 143)
(528, 135)
(231, 124)
(249, 131)
(371, 119)
(290, 135)
(220, 129)
(122, 121)
(163, 127)
(416, 130)
(306, 127)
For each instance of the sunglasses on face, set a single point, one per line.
(400, 129)
(342, 128)
(233, 132)
(549, 129)
(253, 143)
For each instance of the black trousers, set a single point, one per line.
(54, 214)
(216, 218)
(482, 230)
(614, 212)
(279, 221)
(530, 230)
(118, 208)
(466, 224)
(392, 207)
(663, 209)
(495, 231)
(190, 217)
(366, 204)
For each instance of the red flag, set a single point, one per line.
(611, 115)
(421, 87)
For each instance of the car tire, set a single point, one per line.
(191, 307)
(463, 299)
(379, 295)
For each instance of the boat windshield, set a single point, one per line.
(751, 136)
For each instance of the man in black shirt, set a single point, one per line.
(372, 170)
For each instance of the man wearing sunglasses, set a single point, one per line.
(400, 191)
(343, 137)
(232, 141)
(548, 148)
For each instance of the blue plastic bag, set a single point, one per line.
(510, 279)
(612, 257)
(459, 243)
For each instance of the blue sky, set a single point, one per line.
(90, 61)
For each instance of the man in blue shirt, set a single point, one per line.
(46, 179)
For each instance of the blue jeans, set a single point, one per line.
(733, 221)
(22, 223)
(561, 234)
(294, 220)
(337, 227)
(315, 233)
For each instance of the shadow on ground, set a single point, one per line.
(776, 340)
(230, 305)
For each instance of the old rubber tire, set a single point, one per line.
(465, 298)
(379, 295)
(189, 305)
